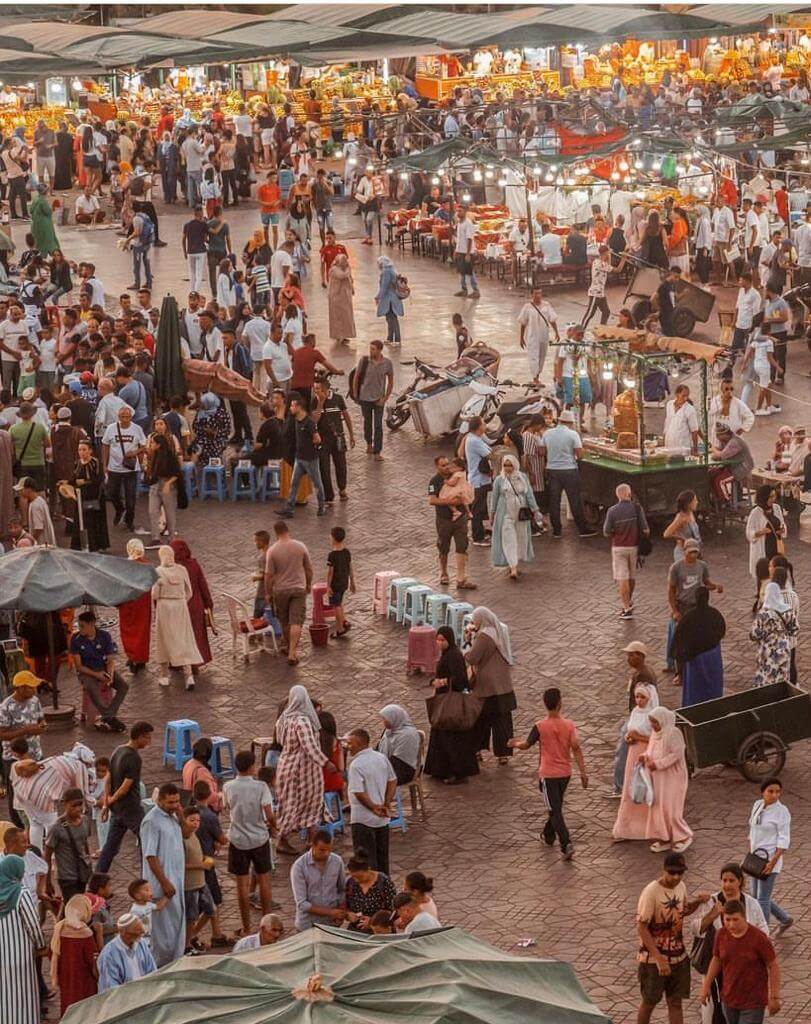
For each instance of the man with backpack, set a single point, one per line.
(371, 384)
(140, 240)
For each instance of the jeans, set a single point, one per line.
(121, 488)
(324, 218)
(567, 480)
(553, 791)
(243, 431)
(169, 185)
(373, 425)
(10, 369)
(159, 499)
(478, 510)
(16, 190)
(197, 270)
(139, 257)
(734, 1016)
(120, 824)
(193, 181)
(620, 757)
(393, 328)
(213, 259)
(369, 218)
(762, 889)
(310, 467)
(374, 842)
(671, 629)
(92, 688)
(229, 188)
(338, 459)
(474, 284)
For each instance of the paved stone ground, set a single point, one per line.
(480, 841)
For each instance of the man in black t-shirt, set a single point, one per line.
(331, 416)
(448, 528)
(308, 441)
(122, 796)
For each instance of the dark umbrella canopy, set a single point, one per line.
(45, 579)
(169, 377)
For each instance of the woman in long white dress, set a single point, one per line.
(511, 540)
(20, 939)
(174, 636)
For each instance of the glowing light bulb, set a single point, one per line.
(657, 165)
(638, 164)
(338, 154)
(626, 178)
(370, 167)
(351, 161)
(553, 167)
(502, 182)
(608, 375)
(536, 170)
(466, 197)
(804, 161)
(435, 180)
(477, 175)
(403, 176)
(549, 176)
(571, 181)
(623, 165)
(559, 179)
(489, 175)
(629, 382)
(703, 190)
(615, 175)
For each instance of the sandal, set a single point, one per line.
(220, 941)
(444, 579)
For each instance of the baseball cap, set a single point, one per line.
(86, 377)
(26, 481)
(26, 678)
(675, 862)
(566, 416)
(75, 387)
(63, 413)
(691, 545)
(636, 647)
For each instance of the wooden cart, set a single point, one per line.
(655, 487)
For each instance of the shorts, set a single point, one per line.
(291, 607)
(269, 218)
(673, 986)
(585, 391)
(266, 136)
(213, 886)
(240, 862)
(337, 599)
(762, 374)
(455, 530)
(623, 563)
(91, 160)
(198, 901)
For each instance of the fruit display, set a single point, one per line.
(15, 117)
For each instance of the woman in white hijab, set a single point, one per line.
(174, 636)
(400, 742)
(513, 509)
(299, 774)
(664, 759)
(632, 819)
(489, 660)
(773, 629)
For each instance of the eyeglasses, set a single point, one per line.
(674, 871)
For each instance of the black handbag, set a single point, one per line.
(701, 953)
(644, 545)
(454, 711)
(754, 863)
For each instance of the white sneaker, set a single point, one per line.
(775, 408)
(163, 681)
(762, 412)
(189, 682)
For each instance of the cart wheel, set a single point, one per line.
(683, 322)
(761, 755)
(397, 416)
(641, 310)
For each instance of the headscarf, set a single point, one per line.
(135, 549)
(668, 740)
(773, 600)
(298, 705)
(256, 241)
(166, 555)
(639, 719)
(209, 405)
(12, 869)
(401, 738)
(384, 262)
(489, 625)
(182, 551)
(700, 629)
(517, 480)
(665, 718)
(78, 911)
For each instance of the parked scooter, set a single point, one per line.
(429, 386)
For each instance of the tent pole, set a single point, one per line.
(49, 627)
(529, 211)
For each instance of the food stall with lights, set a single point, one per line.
(488, 70)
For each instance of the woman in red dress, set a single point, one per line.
(200, 601)
(135, 617)
(73, 954)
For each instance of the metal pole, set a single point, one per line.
(640, 387)
(49, 627)
(705, 407)
(83, 541)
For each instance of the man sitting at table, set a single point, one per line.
(519, 236)
(549, 248)
(734, 453)
(575, 255)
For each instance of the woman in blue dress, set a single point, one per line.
(697, 648)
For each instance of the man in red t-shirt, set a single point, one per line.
(304, 361)
(270, 197)
(329, 250)
(559, 740)
(746, 960)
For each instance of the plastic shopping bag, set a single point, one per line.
(641, 787)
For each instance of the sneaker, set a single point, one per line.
(285, 513)
(461, 295)
(614, 795)
(254, 900)
(117, 518)
(568, 852)
(589, 533)
(116, 724)
(190, 684)
(556, 536)
(322, 511)
(163, 681)
(762, 412)
(481, 543)
(775, 408)
(627, 613)
(784, 926)
(476, 295)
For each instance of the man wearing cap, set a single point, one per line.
(684, 579)
(30, 445)
(563, 449)
(82, 411)
(737, 463)
(40, 524)
(663, 963)
(624, 522)
(190, 324)
(636, 652)
(20, 716)
(126, 957)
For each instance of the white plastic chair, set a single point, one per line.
(242, 628)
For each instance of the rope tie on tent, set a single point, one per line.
(314, 991)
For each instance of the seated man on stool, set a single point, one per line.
(734, 453)
(88, 208)
(93, 650)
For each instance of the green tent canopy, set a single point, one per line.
(440, 977)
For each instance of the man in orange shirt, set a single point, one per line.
(270, 196)
(304, 361)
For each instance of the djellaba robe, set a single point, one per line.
(162, 837)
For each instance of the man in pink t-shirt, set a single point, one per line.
(559, 740)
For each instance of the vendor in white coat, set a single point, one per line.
(534, 321)
(681, 421)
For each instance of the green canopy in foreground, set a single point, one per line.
(435, 977)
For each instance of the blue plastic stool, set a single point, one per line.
(184, 731)
(399, 821)
(435, 606)
(270, 481)
(222, 767)
(397, 589)
(212, 483)
(243, 483)
(455, 615)
(190, 479)
(143, 486)
(414, 605)
(332, 806)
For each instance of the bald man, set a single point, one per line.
(624, 523)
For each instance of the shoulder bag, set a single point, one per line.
(701, 953)
(17, 467)
(754, 863)
(644, 545)
(454, 711)
(356, 378)
(525, 512)
(129, 462)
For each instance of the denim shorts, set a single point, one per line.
(337, 599)
(269, 218)
(198, 901)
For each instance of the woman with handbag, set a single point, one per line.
(201, 604)
(489, 660)
(774, 626)
(765, 528)
(451, 754)
(88, 482)
(632, 818)
(709, 915)
(513, 510)
(769, 838)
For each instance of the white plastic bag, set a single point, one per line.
(641, 786)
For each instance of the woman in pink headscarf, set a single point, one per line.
(664, 759)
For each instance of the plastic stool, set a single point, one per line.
(396, 602)
(212, 483)
(190, 479)
(399, 821)
(454, 616)
(380, 595)
(260, 746)
(270, 481)
(243, 483)
(414, 605)
(333, 814)
(222, 767)
(435, 605)
(321, 610)
(422, 654)
(185, 731)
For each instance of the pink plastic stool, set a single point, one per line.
(321, 610)
(422, 656)
(89, 712)
(381, 592)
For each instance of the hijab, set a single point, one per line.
(135, 549)
(182, 551)
(451, 664)
(701, 629)
(209, 405)
(12, 869)
(517, 481)
(489, 625)
(384, 262)
(639, 720)
(256, 241)
(298, 705)
(669, 739)
(774, 600)
(401, 738)
(166, 555)
(78, 911)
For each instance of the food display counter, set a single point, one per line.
(435, 87)
(656, 484)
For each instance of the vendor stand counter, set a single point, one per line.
(432, 87)
(655, 484)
